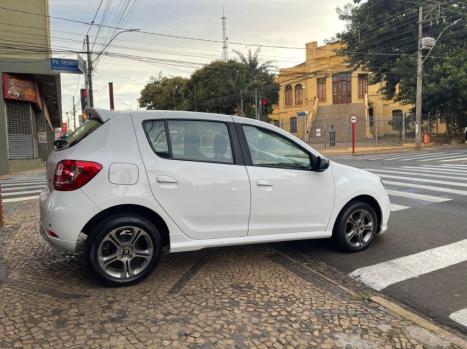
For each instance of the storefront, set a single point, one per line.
(29, 112)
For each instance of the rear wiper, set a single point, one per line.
(59, 143)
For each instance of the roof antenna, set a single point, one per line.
(225, 51)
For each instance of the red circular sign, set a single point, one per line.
(353, 119)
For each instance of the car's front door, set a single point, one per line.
(286, 195)
(196, 178)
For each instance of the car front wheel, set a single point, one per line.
(123, 250)
(356, 227)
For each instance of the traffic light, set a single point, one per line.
(84, 93)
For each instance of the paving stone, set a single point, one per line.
(240, 297)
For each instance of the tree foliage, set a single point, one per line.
(220, 87)
(381, 36)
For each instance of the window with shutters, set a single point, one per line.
(288, 95)
(362, 85)
(321, 89)
(298, 94)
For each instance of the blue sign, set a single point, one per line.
(65, 65)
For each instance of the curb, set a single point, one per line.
(393, 308)
(416, 319)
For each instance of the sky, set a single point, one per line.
(289, 23)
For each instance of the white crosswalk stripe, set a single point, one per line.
(381, 275)
(395, 207)
(460, 317)
(412, 173)
(22, 188)
(422, 197)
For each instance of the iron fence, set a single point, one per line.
(375, 131)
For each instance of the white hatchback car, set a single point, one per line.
(136, 182)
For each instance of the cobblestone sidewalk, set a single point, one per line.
(240, 297)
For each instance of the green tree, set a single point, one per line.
(381, 36)
(219, 87)
(165, 93)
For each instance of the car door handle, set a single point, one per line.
(166, 180)
(263, 183)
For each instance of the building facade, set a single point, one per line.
(320, 94)
(30, 101)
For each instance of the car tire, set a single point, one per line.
(356, 227)
(122, 250)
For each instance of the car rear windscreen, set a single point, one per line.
(81, 132)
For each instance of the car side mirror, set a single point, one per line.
(321, 164)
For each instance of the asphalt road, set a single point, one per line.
(421, 260)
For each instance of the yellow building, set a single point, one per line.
(320, 94)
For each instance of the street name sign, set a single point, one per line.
(65, 65)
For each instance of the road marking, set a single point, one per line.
(438, 169)
(412, 156)
(428, 180)
(423, 197)
(22, 187)
(457, 159)
(442, 157)
(417, 169)
(408, 172)
(453, 165)
(23, 198)
(22, 192)
(460, 317)
(395, 208)
(427, 187)
(382, 275)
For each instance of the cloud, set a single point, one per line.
(274, 22)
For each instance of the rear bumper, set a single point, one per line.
(63, 216)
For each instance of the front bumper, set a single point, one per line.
(63, 216)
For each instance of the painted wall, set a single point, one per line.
(20, 29)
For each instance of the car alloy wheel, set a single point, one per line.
(125, 252)
(359, 228)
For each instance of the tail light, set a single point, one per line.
(73, 174)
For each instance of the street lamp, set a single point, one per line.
(113, 38)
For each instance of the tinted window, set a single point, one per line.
(270, 149)
(155, 131)
(82, 132)
(200, 141)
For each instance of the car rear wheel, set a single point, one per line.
(356, 227)
(123, 250)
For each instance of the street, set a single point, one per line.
(422, 259)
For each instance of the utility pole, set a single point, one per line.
(74, 114)
(91, 93)
(225, 51)
(256, 103)
(418, 103)
(111, 95)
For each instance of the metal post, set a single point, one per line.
(111, 95)
(418, 103)
(256, 103)
(403, 129)
(353, 138)
(91, 93)
(376, 129)
(1, 207)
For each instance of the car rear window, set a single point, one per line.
(81, 132)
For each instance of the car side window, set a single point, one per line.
(270, 149)
(194, 140)
(157, 137)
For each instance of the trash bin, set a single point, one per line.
(426, 138)
(332, 137)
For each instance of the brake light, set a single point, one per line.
(73, 174)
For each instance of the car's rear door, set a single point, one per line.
(196, 173)
(286, 195)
